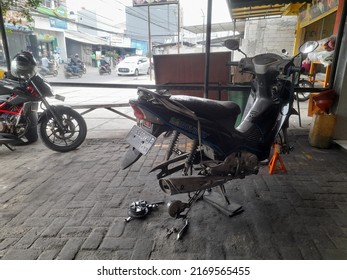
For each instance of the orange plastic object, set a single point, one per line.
(325, 99)
(320, 101)
(275, 158)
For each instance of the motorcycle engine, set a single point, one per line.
(238, 165)
(8, 125)
(3, 123)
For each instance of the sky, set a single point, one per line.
(193, 10)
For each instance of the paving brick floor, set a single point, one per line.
(73, 206)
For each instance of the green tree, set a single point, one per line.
(21, 7)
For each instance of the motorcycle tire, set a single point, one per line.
(55, 73)
(304, 96)
(67, 76)
(31, 134)
(84, 70)
(71, 139)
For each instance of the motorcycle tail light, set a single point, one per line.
(137, 112)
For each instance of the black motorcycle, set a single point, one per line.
(219, 151)
(71, 70)
(61, 128)
(105, 69)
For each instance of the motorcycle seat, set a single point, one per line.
(208, 108)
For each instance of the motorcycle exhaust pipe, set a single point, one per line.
(190, 184)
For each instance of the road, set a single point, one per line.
(101, 123)
(93, 76)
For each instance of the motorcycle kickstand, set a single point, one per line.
(9, 147)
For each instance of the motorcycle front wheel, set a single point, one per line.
(70, 138)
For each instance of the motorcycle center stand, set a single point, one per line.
(179, 210)
(222, 203)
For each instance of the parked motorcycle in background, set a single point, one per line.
(219, 152)
(61, 128)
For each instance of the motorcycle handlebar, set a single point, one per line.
(232, 63)
(293, 69)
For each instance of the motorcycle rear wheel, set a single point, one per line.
(74, 134)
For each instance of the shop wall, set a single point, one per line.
(17, 42)
(269, 35)
(73, 47)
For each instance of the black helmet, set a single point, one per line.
(23, 65)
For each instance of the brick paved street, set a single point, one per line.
(73, 206)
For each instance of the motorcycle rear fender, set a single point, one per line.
(132, 155)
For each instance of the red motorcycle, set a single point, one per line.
(61, 128)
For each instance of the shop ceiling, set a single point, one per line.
(245, 9)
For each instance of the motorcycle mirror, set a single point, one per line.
(308, 46)
(232, 44)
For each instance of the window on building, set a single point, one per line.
(50, 3)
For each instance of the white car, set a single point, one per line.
(133, 65)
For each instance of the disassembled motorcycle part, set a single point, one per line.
(176, 207)
(170, 231)
(183, 230)
(140, 209)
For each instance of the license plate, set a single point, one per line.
(140, 139)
